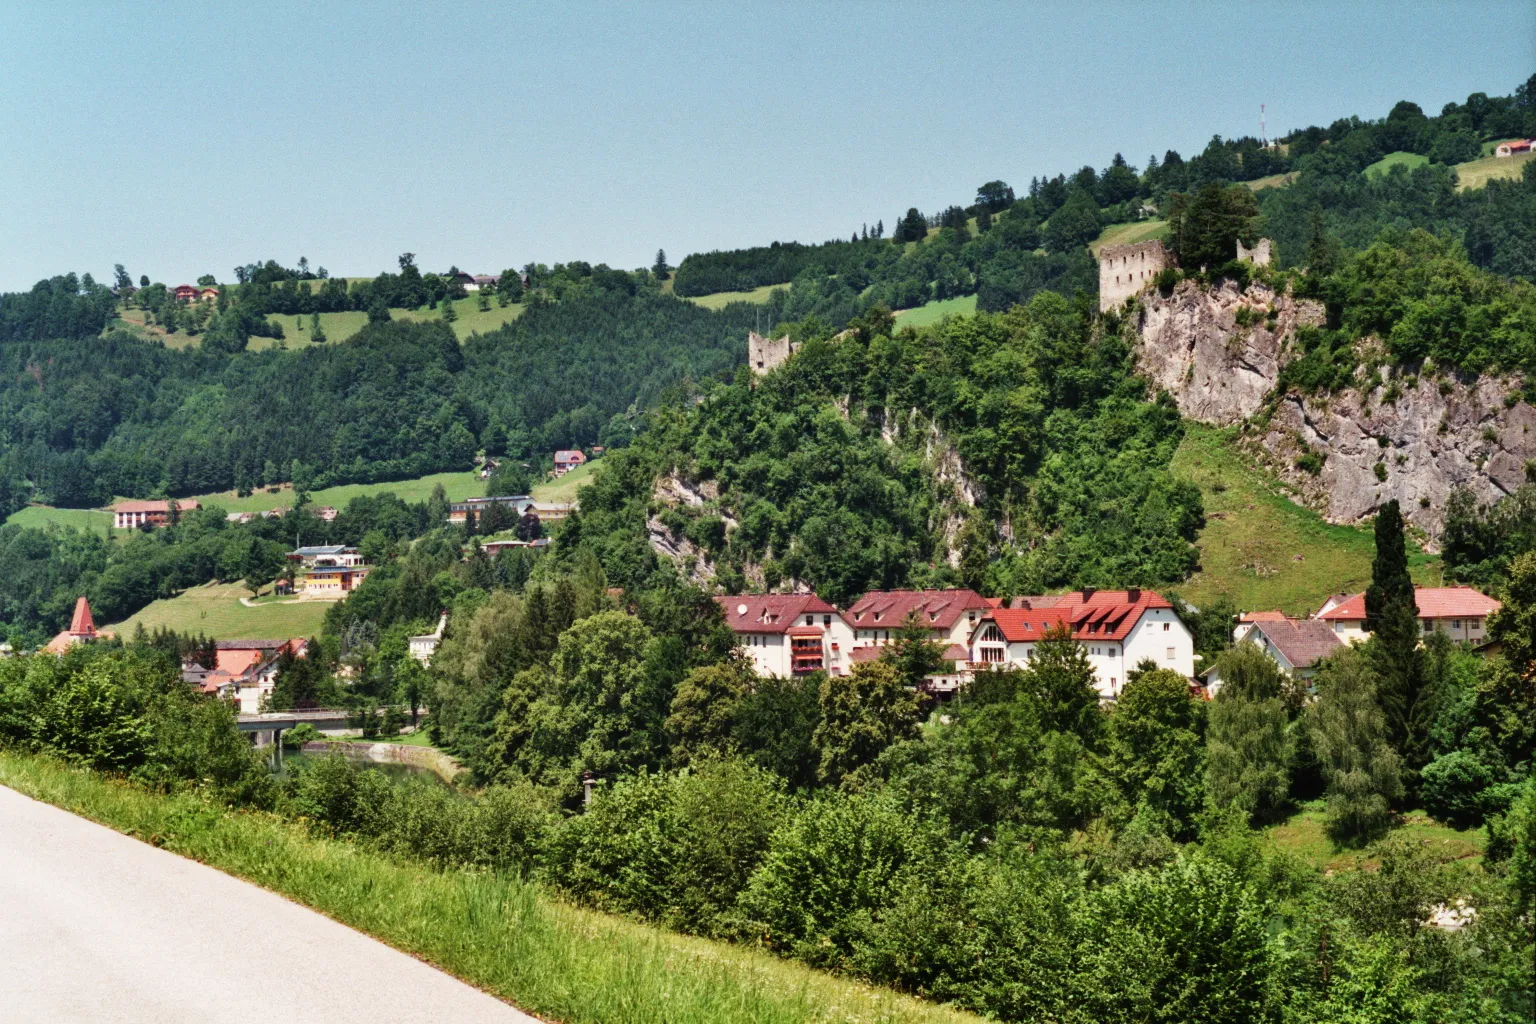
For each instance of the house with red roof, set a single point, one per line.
(82, 629)
(1296, 645)
(949, 615)
(567, 460)
(789, 634)
(186, 293)
(1117, 629)
(1459, 612)
(244, 671)
(129, 515)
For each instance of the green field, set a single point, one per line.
(1398, 159)
(564, 489)
(1126, 234)
(458, 485)
(1477, 173)
(1273, 181)
(491, 929)
(1262, 550)
(337, 327)
(471, 320)
(92, 519)
(933, 312)
(719, 300)
(214, 609)
(1302, 836)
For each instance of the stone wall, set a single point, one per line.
(764, 354)
(1259, 255)
(1124, 270)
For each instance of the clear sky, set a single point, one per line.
(182, 139)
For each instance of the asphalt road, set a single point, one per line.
(95, 926)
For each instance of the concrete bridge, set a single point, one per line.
(267, 729)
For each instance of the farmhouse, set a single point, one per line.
(486, 281)
(326, 556)
(789, 634)
(1117, 629)
(458, 511)
(495, 547)
(567, 460)
(552, 511)
(186, 293)
(333, 583)
(208, 294)
(129, 515)
(1513, 147)
(1459, 612)
(244, 670)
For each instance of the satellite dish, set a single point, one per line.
(741, 609)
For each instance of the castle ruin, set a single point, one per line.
(764, 354)
(1258, 255)
(1124, 270)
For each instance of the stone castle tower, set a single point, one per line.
(1259, 255)
(763, 354)
(1124, 270)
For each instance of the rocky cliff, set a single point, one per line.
(1219, 351)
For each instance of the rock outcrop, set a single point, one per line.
(1219, 352)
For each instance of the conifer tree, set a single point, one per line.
(1393, 617)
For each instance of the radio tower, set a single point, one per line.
(1263, 135)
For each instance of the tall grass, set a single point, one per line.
(493, 930)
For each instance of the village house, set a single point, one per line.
(327, 513)
(208, 294)
(949, 616)
(1513, 147)
(1117, 629)
(487, 282)
(496, 547)
(516, 504)
(326, 556)
(244, 671)
(423, 647)
(567, 460)
(463, 280)
(129, 515)
(789, 634)
(552, 511)
(239, 517)
(186, 293)
(1459, 612)
(1296, 645)
(333, 583)
(82, 629)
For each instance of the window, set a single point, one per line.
(826, 620)
(810, 620)
(1111, 683)
(992, 655)
(1456, 624)
(1170, 654)
(1165, 627)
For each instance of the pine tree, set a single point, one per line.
(659, 268)
(1393, 617)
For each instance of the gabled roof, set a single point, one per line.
(1303, 642)
(770, 613)
(1433, 603)
(320, 549)
(569, 455)
(1262, 617)
(154, 506)
(937, 609)
(1025, 625)
(1107, 614)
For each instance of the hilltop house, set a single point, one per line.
(567, 460)
(186, 293)
(1459, 612)
(326, 556)
(1296, 645)
(1118, 630)
(1513, 147)
(424, 646)
(244, 670)
(82, 629)
(209, 294)
(789, 634)
(486, 281)
(128, 515)
(333, 583)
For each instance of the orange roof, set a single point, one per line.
(1433, 603)
(1262, 617)
(937, 608)
(82, 624)
(770, 613)
(1025, 625)
(153, 506)
(1093, 615)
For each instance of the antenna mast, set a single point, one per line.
(1263, 135)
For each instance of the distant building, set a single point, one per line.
(461, 279)
(1117, 629)
(423, 647)
(789, 634)
(1513, 147)
(949, 616)
(1259, 255)
(552, 511)
(326, 556)
(244, 671)
(1125, 270)
(186, 293)
(1296, 645)
(330, 584)
(129, 515)
(82, 629)
(327, 513)
(567, 460)
(492, 548)
(458, 511)
(485, 281)
(1459, 612)
(208, 294)
(765, 354)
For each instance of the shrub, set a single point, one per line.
(1380, 469)
(1312, 462)
(1453, 785)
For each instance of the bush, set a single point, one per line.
(1453, 788)
(1311, 462)
(1380, 469)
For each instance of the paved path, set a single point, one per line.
(95, 926)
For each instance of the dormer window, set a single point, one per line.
(810, 620)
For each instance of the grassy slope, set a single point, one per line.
(1253, 536)
(1126, 234)
(1272, 181)
(494, 931)
(719, 300)
(564, 489)
(471, 320)
(94, 520)
(215, 609)
(933, 312)
(1391, 160)
(1302, 836)
(1477, 173)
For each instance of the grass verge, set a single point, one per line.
(1260, 548)
(1302, 836)
(1128, 234)
(497, 932)
(214, 609)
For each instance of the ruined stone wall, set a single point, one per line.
(1259, 255)
(763, 354)
(1124, 270)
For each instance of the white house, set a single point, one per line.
(789, 634)
(1459, 612)
(1117, 629)
(424, 646)
(1296, 645)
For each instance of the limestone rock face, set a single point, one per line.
(1217, 370)
(1432, 436)
(1429, 440)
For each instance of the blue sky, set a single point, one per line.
(185, 139)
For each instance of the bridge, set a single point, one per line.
(267, 729)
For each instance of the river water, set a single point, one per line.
(293, 759)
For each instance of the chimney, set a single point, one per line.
(1088, 593)
(1133, 595)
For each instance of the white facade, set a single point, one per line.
(1158, 636)
(772, 651)
(1469, 629)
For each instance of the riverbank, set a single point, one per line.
(494, 931)
(425, 758)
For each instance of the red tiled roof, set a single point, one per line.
(1304, 642)
(1025, 625)
(867, 653)
(770, 613)
(1433, 603)
(954, 652)
(569, 456)
(1262, 617)
(1107, 614)
(82, 624)
(153, 506)
(938, 609)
